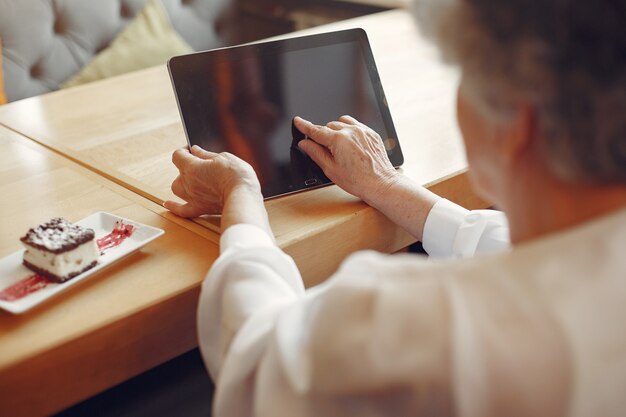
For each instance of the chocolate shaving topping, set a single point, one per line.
(57, 236)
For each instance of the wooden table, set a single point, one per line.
(107, 146)
(125, 319)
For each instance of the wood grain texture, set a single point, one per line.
(125, 319)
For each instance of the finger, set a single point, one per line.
(181, 158)
(182, 210)
(350, 120)
(178, 188)
(337, 125)
(320, 134)
(201, 153)
(319, 154)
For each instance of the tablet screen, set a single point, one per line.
(243, 99)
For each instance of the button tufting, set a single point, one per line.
(126, 11)
(35, 71)
(59, 26)
(186, 2)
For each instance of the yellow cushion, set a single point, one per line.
(147, 41)
(3, 97)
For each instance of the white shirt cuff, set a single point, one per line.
(441, 227)
(243, 235)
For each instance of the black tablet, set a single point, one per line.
(243, 99)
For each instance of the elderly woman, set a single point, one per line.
(535, 330)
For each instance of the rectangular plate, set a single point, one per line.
(12, 270)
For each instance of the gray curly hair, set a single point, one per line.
(567, 58)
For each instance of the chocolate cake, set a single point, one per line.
(60, 250)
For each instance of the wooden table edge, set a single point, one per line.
(128, 187)
(81, 358)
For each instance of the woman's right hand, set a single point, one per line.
(351, 155)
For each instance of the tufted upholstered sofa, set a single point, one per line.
(45, 42)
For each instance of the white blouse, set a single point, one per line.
(533, 331)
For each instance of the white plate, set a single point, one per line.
(12, 270)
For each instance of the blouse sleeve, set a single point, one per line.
(251, 277)
(275, 350)
(452, 231)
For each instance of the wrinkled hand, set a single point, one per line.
(206, 180)
(351, 155)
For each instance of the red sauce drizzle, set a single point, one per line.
(24, 287)
(36, 282)
(120, 232)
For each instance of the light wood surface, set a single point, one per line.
(123, 320)
(126, 128)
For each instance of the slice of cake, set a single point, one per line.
(60, 250)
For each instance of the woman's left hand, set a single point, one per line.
(207, 179)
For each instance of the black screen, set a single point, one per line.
(243, 100)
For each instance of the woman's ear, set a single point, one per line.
(520, 133)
